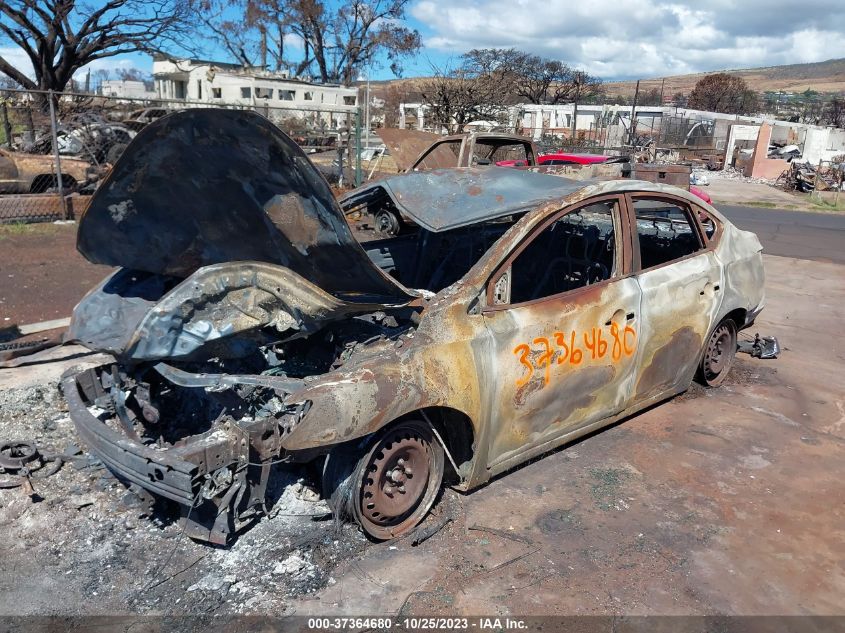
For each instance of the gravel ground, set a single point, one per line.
(83, 544)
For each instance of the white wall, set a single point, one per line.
(739, 132)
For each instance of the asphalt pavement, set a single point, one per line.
(816, 236)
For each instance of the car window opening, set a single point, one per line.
(664, 231)
(576, 250)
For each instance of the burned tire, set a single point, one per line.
(391, 485)
(388, 223)
(719, 353)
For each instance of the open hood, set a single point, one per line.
(406, 145)
(210, 186)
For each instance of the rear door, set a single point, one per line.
(558, 310)
(681, 284)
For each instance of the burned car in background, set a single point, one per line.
(32, 173)
(416, 150)
(249, 326)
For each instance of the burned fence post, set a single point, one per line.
(53, 131)
(7, 127)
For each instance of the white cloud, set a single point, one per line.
(17, 58)
(642, 38)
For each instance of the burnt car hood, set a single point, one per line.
(209, 186)
(227, 239)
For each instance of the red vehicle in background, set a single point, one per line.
(579, 159)
(561, 158)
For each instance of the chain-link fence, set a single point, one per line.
(55, 148)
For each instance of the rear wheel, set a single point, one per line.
(718, 355)
(393, 483)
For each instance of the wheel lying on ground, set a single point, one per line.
(389, 485)
(387, 223)
(718, 355)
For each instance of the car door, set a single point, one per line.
(562, 312)
(680, 280)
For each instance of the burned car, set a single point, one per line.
(250, 327)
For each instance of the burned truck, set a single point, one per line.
(250, 328)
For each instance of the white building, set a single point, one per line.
(126, 88)
(610, 125)
(272, 93)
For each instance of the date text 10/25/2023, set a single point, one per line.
(561, 348)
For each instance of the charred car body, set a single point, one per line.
(250, 327)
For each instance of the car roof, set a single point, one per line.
(445, 199)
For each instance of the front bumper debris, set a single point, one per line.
(764, 347)
(218, 477)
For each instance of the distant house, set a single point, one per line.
(273, 93)
(126, 88)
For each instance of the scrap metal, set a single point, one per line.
(21, 461)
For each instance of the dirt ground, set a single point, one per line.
(42, 276)
(724, 501)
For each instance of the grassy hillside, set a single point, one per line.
(826, 76)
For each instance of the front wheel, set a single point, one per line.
(718, 355)
(393, 483)
(388, 223)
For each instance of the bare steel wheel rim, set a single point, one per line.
(399, 481)
(719, 353)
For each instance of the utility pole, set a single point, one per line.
(662, 85)
(367, 110)
(633, 130)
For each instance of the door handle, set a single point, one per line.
(628, 317)
(703, 290)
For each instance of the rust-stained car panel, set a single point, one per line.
(498, 329)
(406, 145)
(33, 173)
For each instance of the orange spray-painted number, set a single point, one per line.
(545, 359)
(523, 351)
(565, 349)
(616, 352)
(594, 342)
(629, 330)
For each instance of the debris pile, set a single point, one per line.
(806, 178)
(732, 173)
(115, 553)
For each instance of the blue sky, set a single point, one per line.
(612, 39)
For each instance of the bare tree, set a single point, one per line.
(722, 92)
(61, 36)
(252, 32)
(834, 113)
(393, 97)
(456, 98)
(529, 77)
(338, 40)
(342, 41)
(650, 97)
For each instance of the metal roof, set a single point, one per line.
(445, 199)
